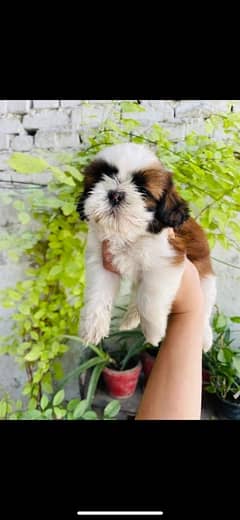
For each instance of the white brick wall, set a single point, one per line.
(28, 125)
(45, 120)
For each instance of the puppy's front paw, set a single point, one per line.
(131, 319)
(154, 333)
(94, 329)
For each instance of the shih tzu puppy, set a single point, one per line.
(130, 200)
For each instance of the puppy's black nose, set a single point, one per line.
(116, 197)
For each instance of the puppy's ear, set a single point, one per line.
(171, 209)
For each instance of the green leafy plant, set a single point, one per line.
(46, 305)
(223, 361)
(55, 409)
(128, 347)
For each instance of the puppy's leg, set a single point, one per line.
(131, 318)
(208, 285)
(155, 296)
(101, 289)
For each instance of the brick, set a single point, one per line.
(18, 106)
(197, 125)
(105, 101)
(44, 103)
(196, 108)
(91, 115)
(45, 120)
(3, 161)
(176, 131)
(45, 139)
(3, 106)
(67, 140)
(57, 140)
(236, 106)
(4, 142)
(22, 143)
(69, 103)
(10, 126)
(38, 178)
(155, 111)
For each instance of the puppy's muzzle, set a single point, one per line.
(116, 197)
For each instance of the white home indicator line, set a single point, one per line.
(120, 513)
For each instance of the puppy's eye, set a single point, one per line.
(143, 190)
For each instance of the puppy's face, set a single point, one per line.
(128, 191)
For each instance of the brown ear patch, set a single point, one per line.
(191, 240)
(156, 181)
(152, 183)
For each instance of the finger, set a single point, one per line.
(107, 257)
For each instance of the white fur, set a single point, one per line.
(156, 285)
(142, 257)
(209, 289)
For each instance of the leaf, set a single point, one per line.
(48, 413)
(74, 172)
(72, 404)
(58, 369)
(32, 403)
(92, 385)
(220, 322)
(62, 177)
(34, 335)
(3, 409)
(44, 402)
(24, 163)
(32, 414)
(32, 356)
(235, 319)
(19, 205)
(236, 363)
(59, 412)
(112, 409)
(39, 314)
(47, 383)
(58, 398)
(24, 217)
(55, 270)
(131, 106)
(82, 368)
(68, 208)
(80, 409)
(90, 415)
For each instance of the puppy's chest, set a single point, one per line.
(131, 260)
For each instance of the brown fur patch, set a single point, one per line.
(155, 181)
(191, 240)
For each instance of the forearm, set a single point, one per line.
(173, 390)
(174, 387)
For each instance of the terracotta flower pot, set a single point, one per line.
(148, 360)
(122, 384)
(205, 376)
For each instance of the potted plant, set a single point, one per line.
(148, 359)
(122, 372)
(223, 362)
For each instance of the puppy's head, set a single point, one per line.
(127, 190)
